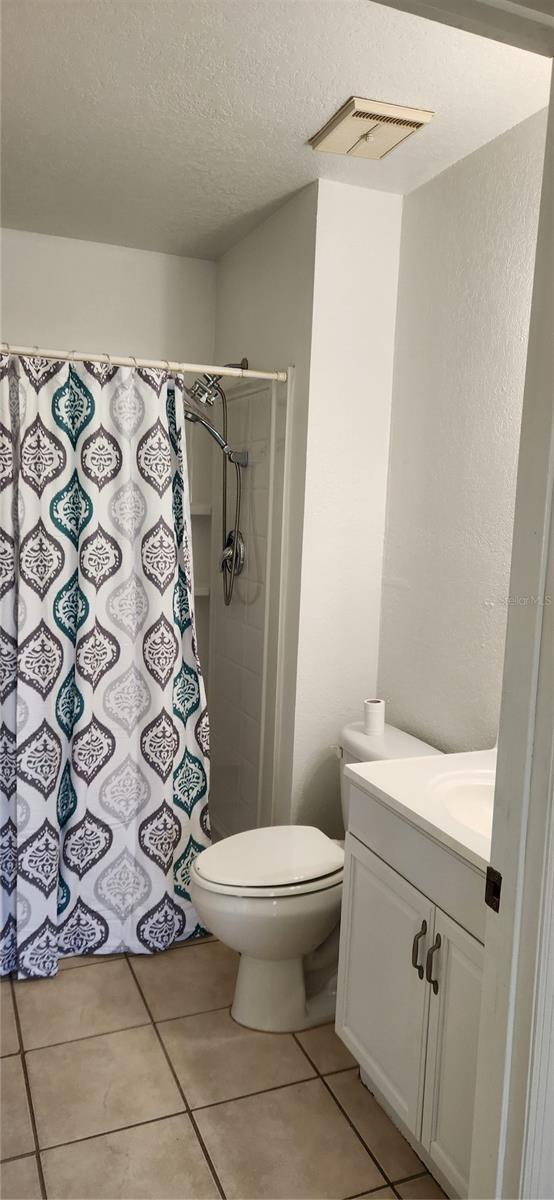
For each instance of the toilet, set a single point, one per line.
(274, 895)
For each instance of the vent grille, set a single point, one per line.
(365, 128)
(371, 116)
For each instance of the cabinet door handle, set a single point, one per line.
(429, 964)
(415, 948)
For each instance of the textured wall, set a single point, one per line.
(468, 243)
(66, 294)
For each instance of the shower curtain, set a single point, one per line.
(104, 734)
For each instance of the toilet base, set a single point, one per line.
(271, 996)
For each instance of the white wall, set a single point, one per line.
(61, 293)
(354, 309)
(468, 245)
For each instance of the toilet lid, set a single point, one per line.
(277, 855)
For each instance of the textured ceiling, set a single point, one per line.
(177, 125)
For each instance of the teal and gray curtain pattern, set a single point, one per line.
(104, 735)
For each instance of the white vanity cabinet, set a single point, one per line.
(408, 1008)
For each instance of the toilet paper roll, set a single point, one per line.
(374, 717)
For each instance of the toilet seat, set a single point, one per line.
(277, 860)
(269, 892)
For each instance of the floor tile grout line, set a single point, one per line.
(17, 1157)
(227, 1008)
(184, 1016)
(276, 1087)
(91, 1137)
(87, 1037)
(372, 1192)
(200, 1140)
(306, 1055)
(28, 1090)
(410, 1178)
(207, 1155)
(337, 1071)
(393, 1186)
(94, 960)
(343, 1111)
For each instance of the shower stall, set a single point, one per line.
(239, 640)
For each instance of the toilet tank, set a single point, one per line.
(357, 746)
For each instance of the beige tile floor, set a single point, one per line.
(126, 1077)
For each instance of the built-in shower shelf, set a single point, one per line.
(201, 589)
(200, 510)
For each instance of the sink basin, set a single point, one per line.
(468, 796)
(451, 796)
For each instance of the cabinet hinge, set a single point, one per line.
(493, 887)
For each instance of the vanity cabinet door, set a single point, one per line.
(456, 968)
(382, 1004)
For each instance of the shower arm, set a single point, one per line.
(239, 457)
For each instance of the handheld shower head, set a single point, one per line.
(206, 389)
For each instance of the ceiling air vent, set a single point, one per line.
(368, 128)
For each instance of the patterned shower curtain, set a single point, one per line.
(104, 735)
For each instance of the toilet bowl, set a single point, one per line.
(274, 895)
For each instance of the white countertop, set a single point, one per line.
(449, 797)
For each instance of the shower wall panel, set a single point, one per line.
(240, 643)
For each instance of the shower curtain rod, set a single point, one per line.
(151, 364)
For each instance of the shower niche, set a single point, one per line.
(239, 642)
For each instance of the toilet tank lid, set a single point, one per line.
(393, 743)
(276, 855)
